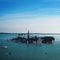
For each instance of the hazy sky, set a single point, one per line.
(41, 16)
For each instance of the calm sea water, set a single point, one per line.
(19, 51)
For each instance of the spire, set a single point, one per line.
(28, 35)
(28, 31)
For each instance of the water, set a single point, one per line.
(19, 51)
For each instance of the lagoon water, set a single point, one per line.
(18, 51)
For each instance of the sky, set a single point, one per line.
(37, 16)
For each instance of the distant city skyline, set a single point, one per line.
(37, 16)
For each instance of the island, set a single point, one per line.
(34, 39)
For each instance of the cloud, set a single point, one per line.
(28, 15)
(33, 21)
(41, 24)
(16, 16)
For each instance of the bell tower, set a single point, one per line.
(28, 35)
